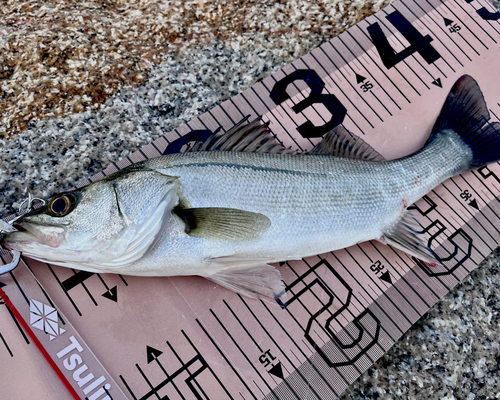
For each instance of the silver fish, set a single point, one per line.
(240, 201)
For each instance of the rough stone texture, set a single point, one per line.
(86, 83)
(62, 57)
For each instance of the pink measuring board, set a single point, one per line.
(119, 337)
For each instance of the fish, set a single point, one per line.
(240, 201)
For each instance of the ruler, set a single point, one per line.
(385, 80)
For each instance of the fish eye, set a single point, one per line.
(61, 205)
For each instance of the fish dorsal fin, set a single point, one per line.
(340, 142)
(223, 223)
(254, 137)
(404, 236)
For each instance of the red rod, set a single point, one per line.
(39, 345)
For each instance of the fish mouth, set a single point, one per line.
(19, 227)
(28, 233)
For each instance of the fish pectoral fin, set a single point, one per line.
(257, 281)
(340, 142)
(223, 223)
(404, 236)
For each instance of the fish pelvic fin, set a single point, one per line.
(465, 112)
(257, 281)
(404, 236)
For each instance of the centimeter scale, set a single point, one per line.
(116, 337)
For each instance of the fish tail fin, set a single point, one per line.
(465, 112)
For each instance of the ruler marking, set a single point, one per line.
(457, 215)
(395, 67)
(311, 314)
(348, 310)
(243, 353)
(402, 276)
(356, 90)
(167, 374)
(366, 69)
(380, 289)
(366, 292)
(373, 61)
(153, 389)
(393, 286)
(453, 225)
(339, 70)
(307, 358)
(445, 4)
(429, 15)
(395, 37)
(277, 119)
(477, 23)
(225, 358)
(206, 364)
(64, 290)
(471, 214)
(49, 300)
(5, 343)
(127, 386)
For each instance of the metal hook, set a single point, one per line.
(5, 227)
(16, 257)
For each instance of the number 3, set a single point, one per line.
(330, 101)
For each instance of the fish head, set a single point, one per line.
(112, 221)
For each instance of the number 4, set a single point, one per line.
(418, 43)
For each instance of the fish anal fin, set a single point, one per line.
(404, 236)
(223, 223)
(257, 281)
(340, 142)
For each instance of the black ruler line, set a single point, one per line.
(225, 358)
(64, 290)
(339, 70)
(6, 345)
(272, 113)
(472, 215)
(437, 37)
(277, 119)
(154, 390)
(243, 326)
(380, 289)
(167, 374)
(367, 54)
(348, 310)
(445, 4)
(128, 387)
(206, 363)
(243, 353)
(402, 276)
(366, 69)
(462, 222)
(307, 359)
(460, 217)
(394, 286)
(368, 294)
(475, 20)
(395, 36)
(395, 67)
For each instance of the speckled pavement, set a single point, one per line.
(86, 83)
